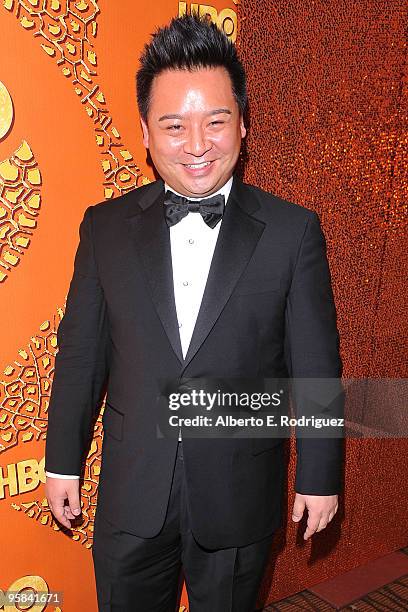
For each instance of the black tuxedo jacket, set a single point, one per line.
(267, 311)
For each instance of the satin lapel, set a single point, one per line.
(237, 240)
(150, 235)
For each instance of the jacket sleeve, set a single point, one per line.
(81, 363)
(314, 364)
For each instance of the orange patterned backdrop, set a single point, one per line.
(326, 130)
(69, 137)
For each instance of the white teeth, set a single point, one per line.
(202, 165)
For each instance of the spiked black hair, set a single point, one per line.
(189, 42)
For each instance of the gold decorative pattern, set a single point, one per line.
(66, 31)
(24, 399)
(28, 586)
(20, 199)
(25, 388)
(6, 111)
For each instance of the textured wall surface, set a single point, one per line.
(328, 130)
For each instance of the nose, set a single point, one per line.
(196, 144)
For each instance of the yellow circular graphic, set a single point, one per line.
(6, 110)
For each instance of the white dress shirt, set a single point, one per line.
(192, 244)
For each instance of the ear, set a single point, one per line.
(145, 131)
(242, 127)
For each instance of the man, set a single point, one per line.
(195, 275)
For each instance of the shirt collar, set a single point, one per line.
(225, 190)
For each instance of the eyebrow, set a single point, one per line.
(217, 111)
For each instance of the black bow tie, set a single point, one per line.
(177, 207)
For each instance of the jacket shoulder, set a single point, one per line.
(125, 204)
(272, 205)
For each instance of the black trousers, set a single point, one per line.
(142, 575)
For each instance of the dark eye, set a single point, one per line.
(175, 128)
(217, 122)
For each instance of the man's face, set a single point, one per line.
(194, 129)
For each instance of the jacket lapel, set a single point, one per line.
(151, 237)
(237, 240)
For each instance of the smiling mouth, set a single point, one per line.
(197, 166)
